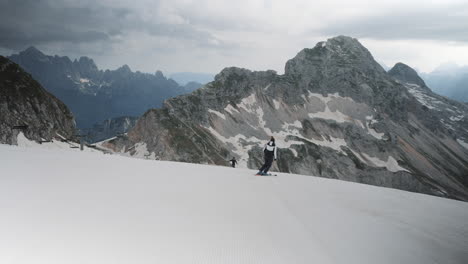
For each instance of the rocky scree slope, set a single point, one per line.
(23, 102)
(95, 95)
(335, 113)
(440, 110)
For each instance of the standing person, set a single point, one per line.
(233, 162)
(269, 152)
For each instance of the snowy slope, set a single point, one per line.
(64, 206)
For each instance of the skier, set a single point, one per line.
(269, 154)
(233, 162)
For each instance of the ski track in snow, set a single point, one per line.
(66, 206)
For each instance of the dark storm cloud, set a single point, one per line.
(449, 23)
(34, 22)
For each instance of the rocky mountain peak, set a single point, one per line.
(159, 74)
(87, 62)
(32, 50)
(124, 69)
(87, 67)
(406, 74)
(228, 72)
(34, 53)
(340, 52)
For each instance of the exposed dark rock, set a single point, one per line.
(110, 128)
(28, 108)
(406, 74)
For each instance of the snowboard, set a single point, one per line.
(268, 174)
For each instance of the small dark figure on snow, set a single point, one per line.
(233, 162)
(269, 152)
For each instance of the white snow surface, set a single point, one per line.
(61, 206)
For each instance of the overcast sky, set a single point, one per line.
(208, 35)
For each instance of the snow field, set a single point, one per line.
(64, 206)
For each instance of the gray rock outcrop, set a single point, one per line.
(26, 106)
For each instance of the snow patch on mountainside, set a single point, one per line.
(217, 113)
(457, 118)
(391, 164)
(327, 114)
(463, 143)
(249, 103)
(277, 104)
(230, 109)
(421, 96)
(332, 142)
(447, 124)
(113, 209)
(141, 151)
(370, 121)
(240, 145)
(375, 134)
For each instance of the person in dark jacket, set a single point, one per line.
(233, 162)
(269, 152)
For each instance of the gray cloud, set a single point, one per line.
(29, 22)
(448, 23)
(34, 22)
(206, 35)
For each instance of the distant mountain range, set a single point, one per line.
(95, 95)
(449, 80)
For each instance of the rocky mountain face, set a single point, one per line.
(451, 114)
(94, 95)
(27, 107)
(335, 113)
(110, 128)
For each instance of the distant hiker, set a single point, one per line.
(319, 166)
(269, 152)
(233, 162)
